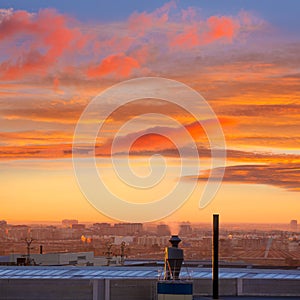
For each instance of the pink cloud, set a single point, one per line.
(188, 14)
(201, 33)
(119, 65)
(140, 23)
(221, 27)
(46, 36)
(48, 43)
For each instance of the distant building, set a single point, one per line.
(149, 241)
(128, 228)
(163, 230)
(185, 229)
(63, 259)
(293, 225)
(69, 223)
(20, 232)
(59, 259)
(78, 226)
(117, 240)
(293, 246)
(3, 223)
(103, 228)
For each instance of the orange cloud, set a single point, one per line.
(54, 111)
(35, 152)
(282, 175)
(153, 142)
(119, 65)
(147, 141)
(35, 137)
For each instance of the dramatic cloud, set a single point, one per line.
(140, 23)
(274, 110)
(42, 40)
(202, 33)
(49, 43)
(157, 138)
(119, 65)
(52, 65)
(34, 138)
(285, 176)
(28, 152)
(54, 111)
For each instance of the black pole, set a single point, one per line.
(215, 261)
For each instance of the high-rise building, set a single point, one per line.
(128, 228)
(68, 223)
(103, 228)
(293, 225)
(3, 223)
(78, 226)
(185, 229)
(163, 230)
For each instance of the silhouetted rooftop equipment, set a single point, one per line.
(173, 259)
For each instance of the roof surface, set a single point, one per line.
(38, 272)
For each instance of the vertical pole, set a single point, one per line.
(95, 289)
(215, 260)
(107, 289)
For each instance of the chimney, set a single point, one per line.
(173, 259)
(172, 286)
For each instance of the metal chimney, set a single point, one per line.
(172, 287)
(173, 259)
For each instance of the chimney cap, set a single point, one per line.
(175, 240)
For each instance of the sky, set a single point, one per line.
(241, 56)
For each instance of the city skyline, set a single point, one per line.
(243, 59)
(260, 245)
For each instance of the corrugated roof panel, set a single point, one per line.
(12, 272)
(2, 272)
(224, 275)
(7, 272)
(229, 275)
(202, 275)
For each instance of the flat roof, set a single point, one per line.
(136, 272)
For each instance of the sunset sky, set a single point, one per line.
(243, 57)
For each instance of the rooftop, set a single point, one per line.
(135, 272)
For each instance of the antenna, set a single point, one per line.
(28, 242)
(122, 253)
(108, 252)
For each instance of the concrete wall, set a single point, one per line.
(203, 287)
(249, 287)
(45, 289)
(270, 287)
(135, 289)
